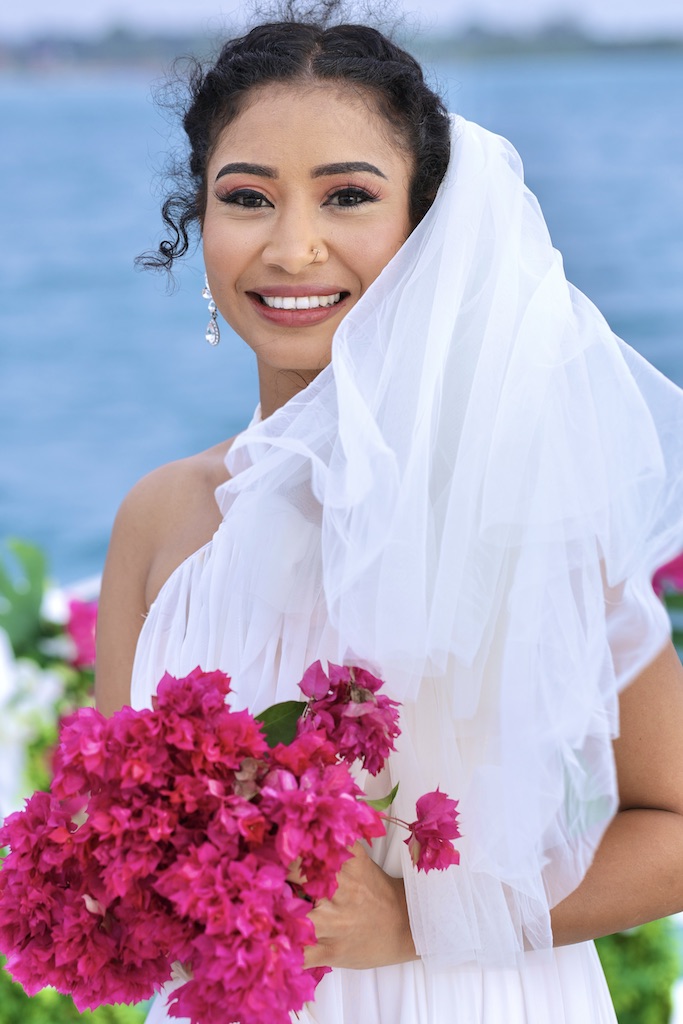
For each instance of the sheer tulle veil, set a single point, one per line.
(470, 500)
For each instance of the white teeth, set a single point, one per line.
(302, 302)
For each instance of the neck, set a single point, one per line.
(276, 387)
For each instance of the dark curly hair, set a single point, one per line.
(285, 51)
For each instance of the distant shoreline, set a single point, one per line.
(128, 48)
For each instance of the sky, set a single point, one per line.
(608, 17)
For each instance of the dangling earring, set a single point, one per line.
(213, 331)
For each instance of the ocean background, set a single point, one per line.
(104, 375)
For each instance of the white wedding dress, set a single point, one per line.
(470, 500)
(561, 986)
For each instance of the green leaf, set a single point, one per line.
(18, 1008)
(279, 721)
(21, 595)
(384, 802)
(677, 640)
(641, 966)
(673, 600)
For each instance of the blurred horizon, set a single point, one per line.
(611, 19)
(127, 47)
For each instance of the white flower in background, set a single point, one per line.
(37, 691)
(55, 606)
(12, 754)
(28, 695)
(11, 750)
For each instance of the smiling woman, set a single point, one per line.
(299, 222)
(459, 479)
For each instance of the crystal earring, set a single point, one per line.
(213, 331)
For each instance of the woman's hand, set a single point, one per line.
(365, 924)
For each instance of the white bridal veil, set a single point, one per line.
(470, 500)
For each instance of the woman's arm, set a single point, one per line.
(167, 515)
(637, 874)
(122, 605)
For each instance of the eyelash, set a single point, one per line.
(362, 195)
(235, 198)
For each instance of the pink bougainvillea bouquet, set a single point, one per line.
(164, 849)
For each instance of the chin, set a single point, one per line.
(303, 361)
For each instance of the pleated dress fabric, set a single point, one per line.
(470, 501)
(565, 985)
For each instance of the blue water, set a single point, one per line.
(103, 375)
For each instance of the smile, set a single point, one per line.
(299, 310)
(300, 302)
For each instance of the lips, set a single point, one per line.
(298, 305)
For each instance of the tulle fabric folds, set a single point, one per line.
(470, 500)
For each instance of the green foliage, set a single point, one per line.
(641, 966)
(384, 802)
(279, 721)
(49, 1007)
(35, 641)
(39, 750)
(22, 585)
(673, 600)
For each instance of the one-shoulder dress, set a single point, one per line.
(562, 986)
(471, 498)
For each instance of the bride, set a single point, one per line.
(456, 476)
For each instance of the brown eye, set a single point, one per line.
(246, 197)
(351, 196)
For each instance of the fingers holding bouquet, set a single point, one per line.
(184, 820)
(365, 923)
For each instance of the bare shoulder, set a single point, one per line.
(166, 516)
(172, 512)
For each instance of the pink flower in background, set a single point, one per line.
(81, 629)
(431, 834)
(361, 723)
(669, 576)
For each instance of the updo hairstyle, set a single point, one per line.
(287, 51)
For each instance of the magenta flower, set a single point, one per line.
(431, 834)
(359, 722)
(247, 956)
(319, 818)
(169, 835)
(81, 629)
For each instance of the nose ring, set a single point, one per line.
(316, 253)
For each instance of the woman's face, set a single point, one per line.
(307, 201)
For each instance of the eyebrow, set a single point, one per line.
(242, 168)
(347, 167)
(260, 171)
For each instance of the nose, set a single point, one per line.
(295, 242)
